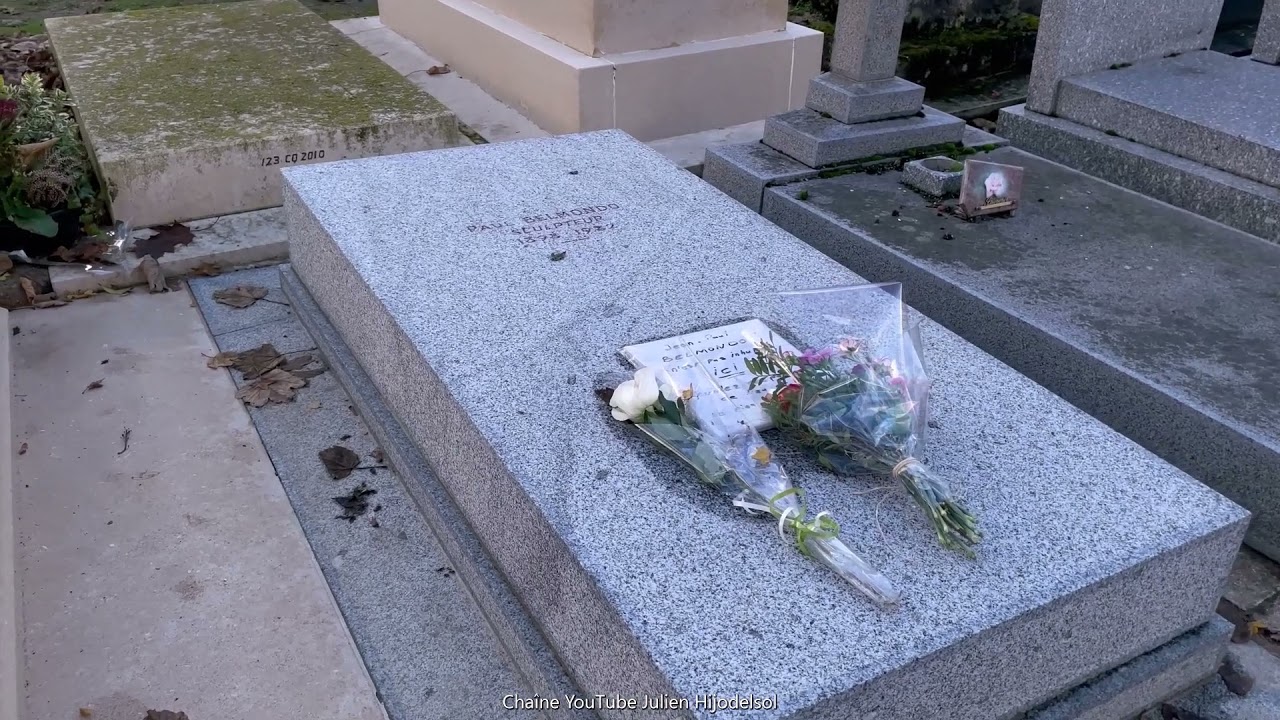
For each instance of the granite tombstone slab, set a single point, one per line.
(437, 270)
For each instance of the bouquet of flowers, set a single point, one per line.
(858, 398)
(728, 454)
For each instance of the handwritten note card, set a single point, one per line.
(723, 353)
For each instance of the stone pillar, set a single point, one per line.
(868, 33)
(862, 86)
(1266, 46)
(1082, 36)
(654, 68)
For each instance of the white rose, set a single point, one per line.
(632, 398)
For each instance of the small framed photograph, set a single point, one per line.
(989, 188)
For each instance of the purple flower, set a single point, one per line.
(8, 110)
(814, 357)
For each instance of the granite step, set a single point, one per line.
(1204, 106)
(1156, 321)
(818, 140)
(1215, 194)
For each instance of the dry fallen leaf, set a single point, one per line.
(258, 361)
(22, 449)
(50, 304)
(95, 385)
(240, 296)
(299, 362)
(223, 360)
(339, 461)
(207, 269)
(356, 503)
(762, 455)
(276, 386)
(85, 712)
(115, 291)
(155, 277)
(439, 70)
(28, 289)
(165, 240)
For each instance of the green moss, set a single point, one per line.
(802, 195)
(951, 58)
(206, 74)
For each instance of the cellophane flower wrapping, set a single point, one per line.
(857, 394)
(691, 417)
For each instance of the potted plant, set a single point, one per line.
(47, 185)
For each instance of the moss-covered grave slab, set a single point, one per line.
(190, 112)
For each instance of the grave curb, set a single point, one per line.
(11, 660)
(514, 629)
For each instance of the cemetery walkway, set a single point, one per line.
(160, 564)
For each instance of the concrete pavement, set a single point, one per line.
(171, 575)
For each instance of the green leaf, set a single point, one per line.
(34, 221)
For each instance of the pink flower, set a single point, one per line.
(849, 345)
(814, 357)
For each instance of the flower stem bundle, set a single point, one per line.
(858, 413)
(731, 457)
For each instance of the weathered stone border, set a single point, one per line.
(10, 607)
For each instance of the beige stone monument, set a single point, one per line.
(654, 68)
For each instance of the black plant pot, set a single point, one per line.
(14, 238)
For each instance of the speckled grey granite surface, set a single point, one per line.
(1128, 308)
(427, 646)
(1204, 106)
(1230, 199)
(851, 101)
(819, 141)
(1182, 663)
(488, 350)
(521, 643)
(743, 170)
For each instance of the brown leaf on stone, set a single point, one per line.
(299, 362)
(258, 361)
(223, 360)
(165, 240)
(50, 304)
(85, 712)
(95, 385)
(439, 70)
(22, 449)
(240, 296)
(86, 251)
(308, 374)
(6, 264)
(276, 386)
(155, 277)
(339, 461)
(28, 289)
(207, 269)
